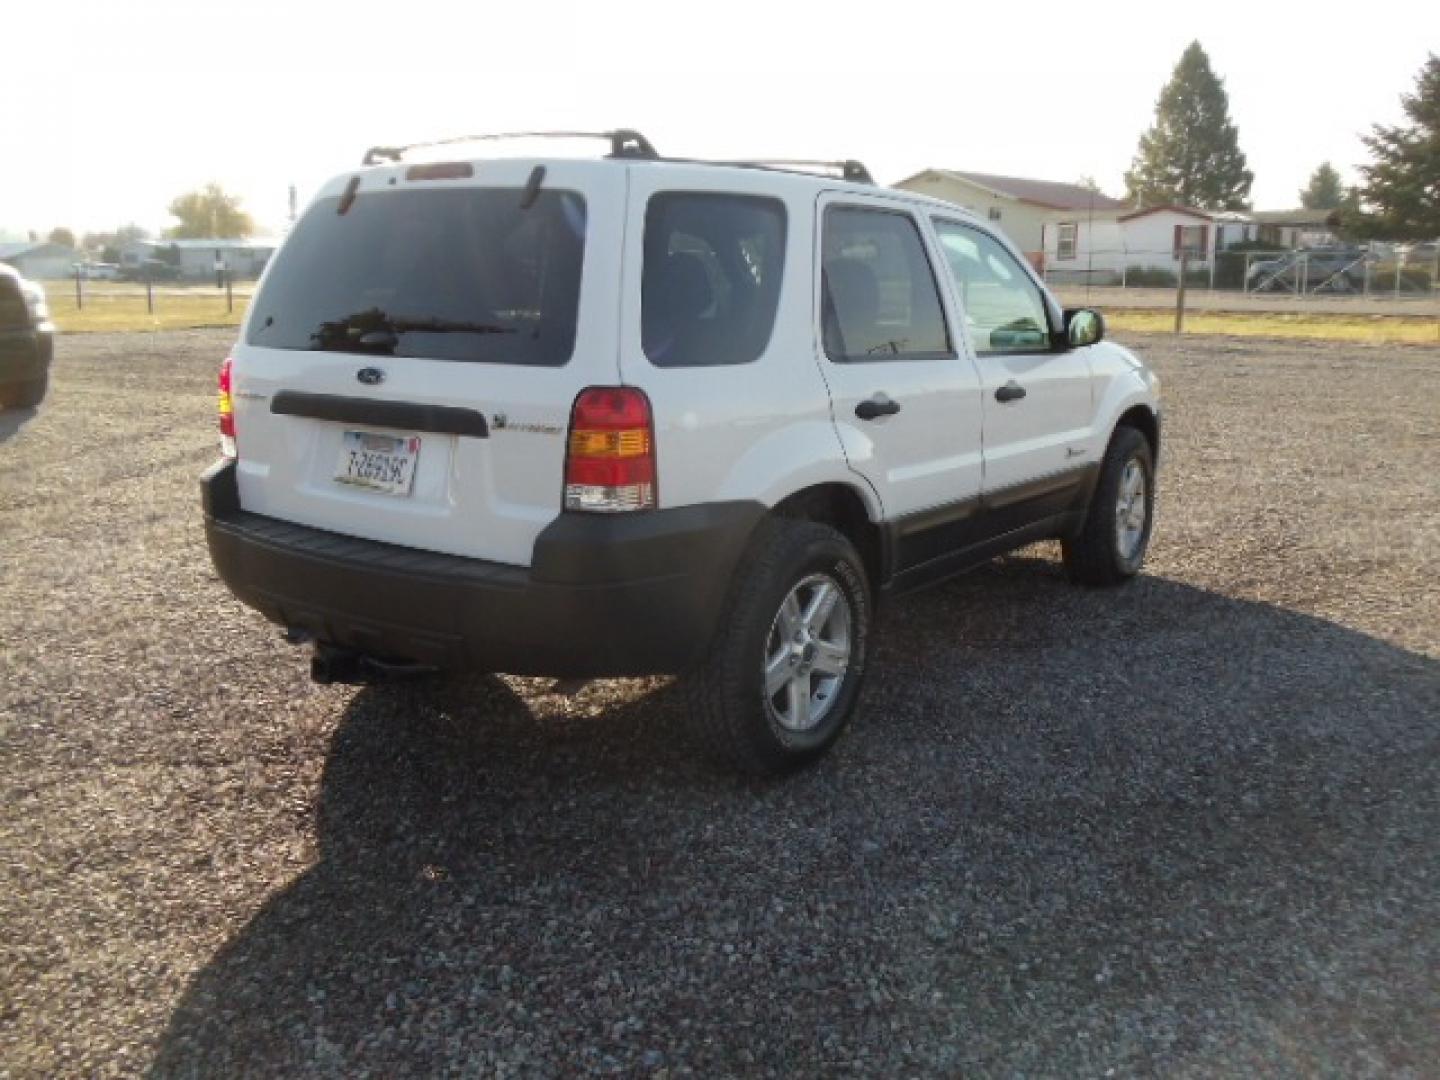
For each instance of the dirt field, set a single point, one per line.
(1190, 827)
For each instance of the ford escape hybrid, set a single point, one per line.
(630, 416)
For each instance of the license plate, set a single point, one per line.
(378, 462)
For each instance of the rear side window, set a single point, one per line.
(879, 298)
(447, 274)
(711, 279)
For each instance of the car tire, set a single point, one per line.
(27, 395)
(1110, 545)
(782, 676)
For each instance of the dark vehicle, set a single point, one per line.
(26, 341)
(1319, 270)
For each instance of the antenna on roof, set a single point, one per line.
(624, 143)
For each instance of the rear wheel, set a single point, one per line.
(783, 674)
(1110, 547)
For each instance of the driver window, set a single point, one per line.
(1004, 312)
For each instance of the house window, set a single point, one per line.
(1191, 240)
(1065, 241)
(994, 213)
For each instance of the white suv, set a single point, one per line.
(633, 416)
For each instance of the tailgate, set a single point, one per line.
(408, 365)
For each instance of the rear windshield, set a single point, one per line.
(450, 274)
(712, 277)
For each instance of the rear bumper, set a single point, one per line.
(25, 354)
(629, 594)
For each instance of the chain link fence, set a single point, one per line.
(1379, 272)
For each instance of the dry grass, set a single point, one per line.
(1375, 329)
(110, 307)
(122, 307)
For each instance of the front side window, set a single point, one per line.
(445, 274)
(1065, 240)
(1004, 311)
(879, 297)
(711, 280)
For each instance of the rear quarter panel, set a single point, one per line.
(758, 431)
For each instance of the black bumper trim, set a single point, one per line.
(410, 415)
(622, 595)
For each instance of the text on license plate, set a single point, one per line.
(379, 462)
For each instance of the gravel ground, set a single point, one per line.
(1188, 827)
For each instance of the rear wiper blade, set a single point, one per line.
(375, 331)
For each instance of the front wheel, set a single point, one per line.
(1110, 546)
(783, 675)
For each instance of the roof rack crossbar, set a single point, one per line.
(624, 143)
(849, 169)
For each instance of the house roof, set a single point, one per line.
(1317, 218)
(1050, 194)
(253, 244)
(16, 248)
(1201, 214)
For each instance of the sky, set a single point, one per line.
(132, 102)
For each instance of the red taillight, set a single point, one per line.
(610, 462)
(227, 412)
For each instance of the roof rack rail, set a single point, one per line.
(624, 143)
(849, 169)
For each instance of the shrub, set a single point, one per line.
(1150, 277)
(1413, 279)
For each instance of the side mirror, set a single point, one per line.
(1084, 326)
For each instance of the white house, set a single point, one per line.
(39, 260)
(1146, 245)
(1025, 210)
(197, 260)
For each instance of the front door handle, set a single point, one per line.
(1011, 391)
(876, 406)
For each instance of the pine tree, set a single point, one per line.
(1324, 192)
(1191, 154)
(1400, 195)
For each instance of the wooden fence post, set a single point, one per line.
(1180, 292)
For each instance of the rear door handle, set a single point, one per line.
(1011, 391)
(877, 406)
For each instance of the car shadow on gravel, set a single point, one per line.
(1145, 829)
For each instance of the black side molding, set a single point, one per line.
(410, 415)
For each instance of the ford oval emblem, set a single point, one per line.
(370, 376)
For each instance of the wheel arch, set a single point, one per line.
(1144, 420)
(843, 508)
